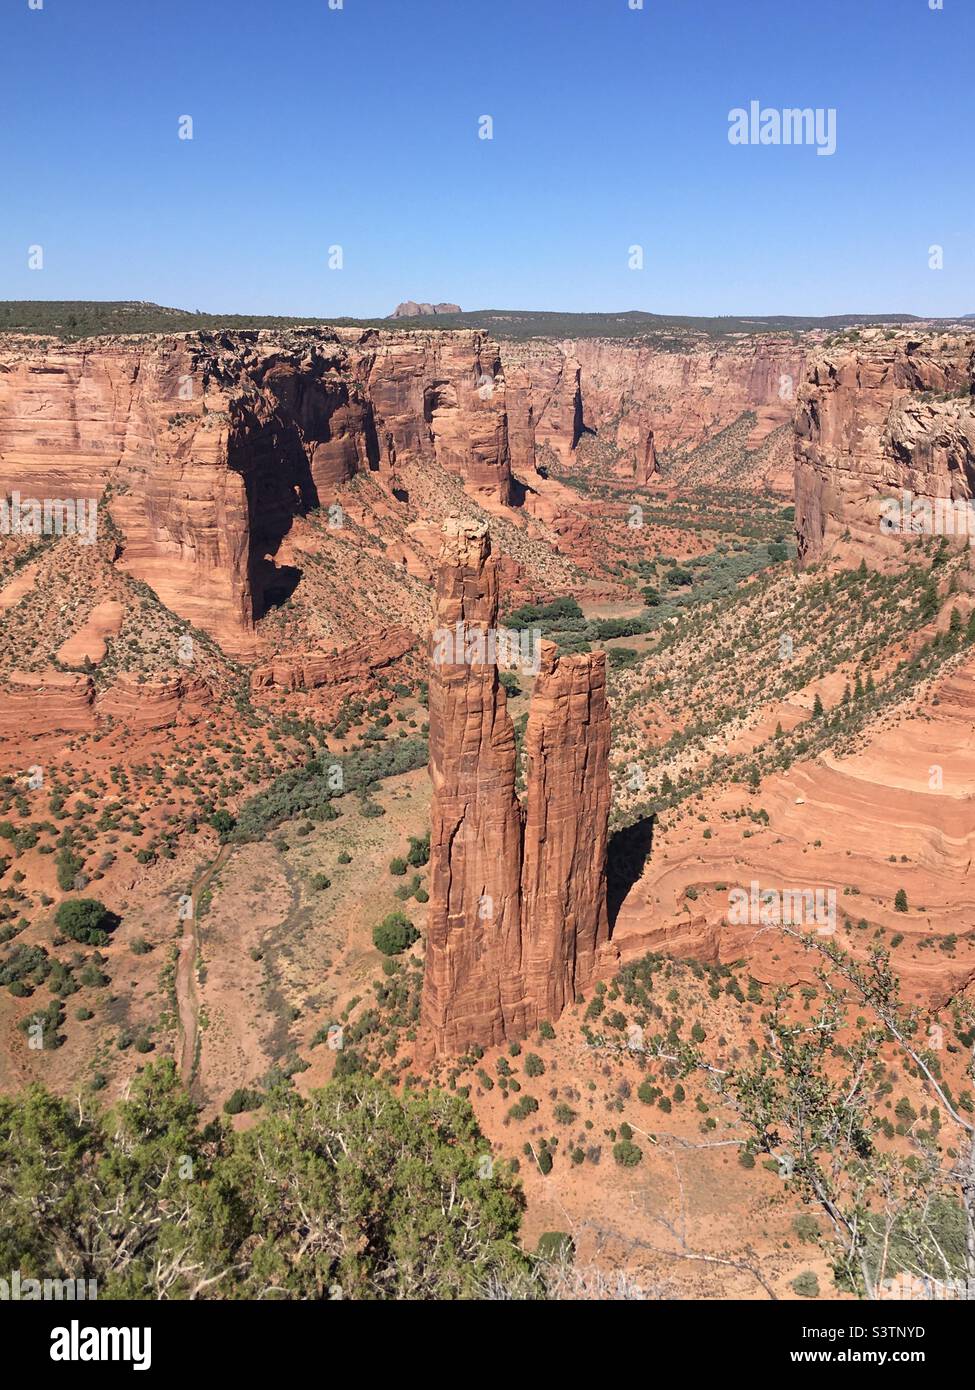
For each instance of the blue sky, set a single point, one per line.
(358, 127)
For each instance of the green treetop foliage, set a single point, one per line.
(352, 1190)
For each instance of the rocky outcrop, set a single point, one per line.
(43, 702)
(307, 670)
(410, 309)
(90, 642)
(890, 413)
(517, 898)
(34, 703)
(154, 704)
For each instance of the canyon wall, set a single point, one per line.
(207, 448)
(517, 898)
(880, 415)
(211, 446)
(48, 702)
(310, 669)
(644, 397)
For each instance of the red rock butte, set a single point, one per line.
(518, 911)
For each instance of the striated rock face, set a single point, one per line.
(567, 815)
(43, 702)
(517, 900)
(48, 702)
(208, 449)
(154, 704)
(74, 418)
(890, 413)
(440, 397)
(473, 990)
(306, 671)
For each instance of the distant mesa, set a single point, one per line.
(409, 309)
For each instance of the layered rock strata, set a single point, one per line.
(308, 670)
(206, 447)
(886, 419)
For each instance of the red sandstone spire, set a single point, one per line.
(563, 880)
(514, 929)
(472, 989)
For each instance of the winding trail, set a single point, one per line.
(187, 1000)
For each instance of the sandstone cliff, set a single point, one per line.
(308, 670)
(212, 446)
(887, 413)
(643, 397)
(35, 703)
(517, 899)
(217, 453)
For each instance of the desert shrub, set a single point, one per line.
(43, 1026)
(522, 1108)
(311, 789)
(555, 1246)
(86, 920)
(223, 823)
(806, 1227)
(627, 1154)
(69, 866)
(242, 1099)
(623, 657)
(25, 966)
(394, 934)
(419, 850)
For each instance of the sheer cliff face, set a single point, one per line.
(641, 398)
(75, 418)
(888, 414)
(517, 913)
(212, 446)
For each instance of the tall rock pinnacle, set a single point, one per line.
(563, 877)
(517, 896)
(472, 990)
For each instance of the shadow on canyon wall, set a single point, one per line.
(629, 849)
